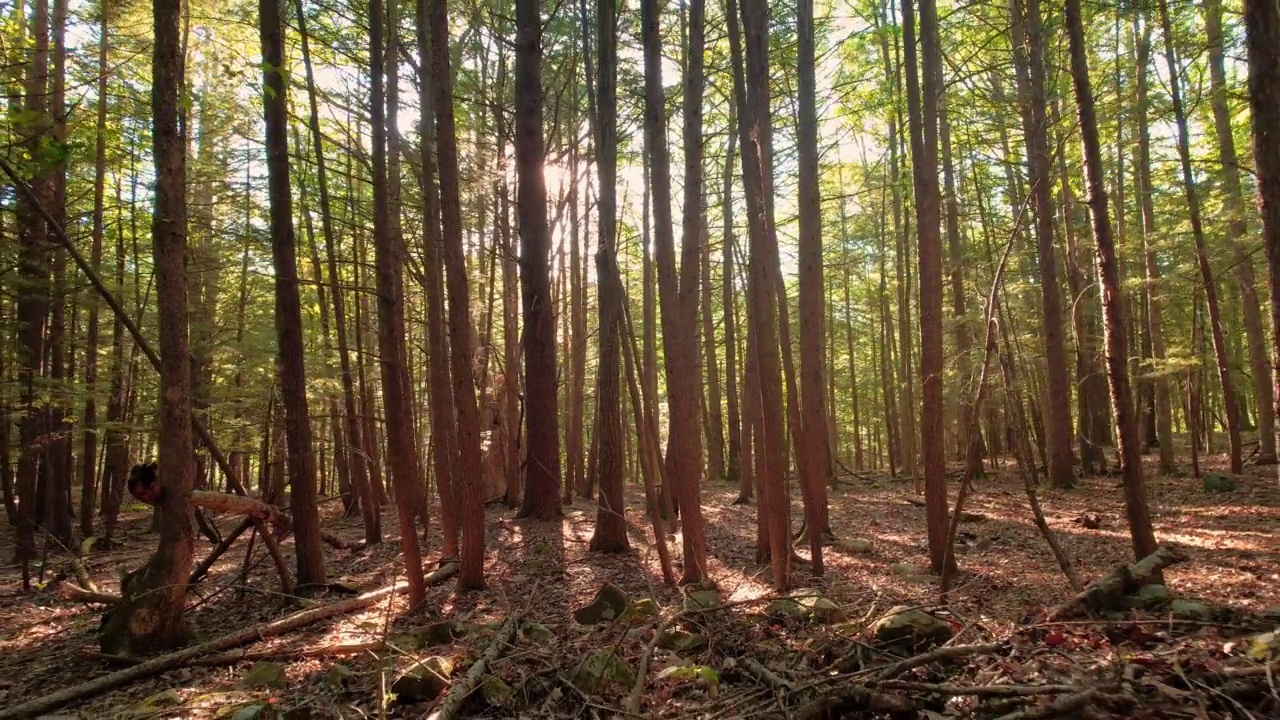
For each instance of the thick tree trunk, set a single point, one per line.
(1262, 37)
(541, 410)
(1117, 344)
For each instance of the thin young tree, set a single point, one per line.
(542, 403)
(1113, 310)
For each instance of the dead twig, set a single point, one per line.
(459, 692)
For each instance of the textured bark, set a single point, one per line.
(1130, 445)
(1163, 405)
(1028, 34)
(733, 463)
(154, 602)
(402, 456)
(1262, 38)
(1230, 411)
(922, 99)
(964, 343)
(471, 572)
(542, 411)
(815, 468)
(755, 127)
(1237, 228)
(715, 416)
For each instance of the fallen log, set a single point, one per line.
(637, 690)
(75, 593)
(944, 654)
(1106, 591)
(256, 509)
(154, 666)
(458, 693)
(234, 657)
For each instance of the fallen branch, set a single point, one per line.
(1065, 706)
(853, 702)
(238, 656)
(75, 593)
(1107, 590)
(633, 700)
(164, 663)
(945, 654)
(203, 568)
(458, 693)
(976, 690)
(758, 671)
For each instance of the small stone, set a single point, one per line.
(702, 600)
(856, 546)
(786, 608)
(423, 680)
(1187, 610)
(912, 627)
(905, 569)
(641, 608)
(264, 675)
(153, 704)
(440, 633)
(1217, 482)
(496, 692)
(537, 633)
(607, 606)
(681, 641)
(818, 607)
(338, 676)
(602, 669)
(1088, 521)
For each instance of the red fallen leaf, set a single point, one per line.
(1144, 660)
(1054, 638)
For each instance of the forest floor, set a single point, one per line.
(742, 659)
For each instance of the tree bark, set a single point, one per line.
(542, 412)
(1117, 344)
(1028, 33)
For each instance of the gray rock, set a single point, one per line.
(1152, 596)
(423, 680)
(264, 675)
(607, 606)
(602, 669)
(910, 627)
(1188, 610)
(856, 546)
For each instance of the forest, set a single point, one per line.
(666, 358)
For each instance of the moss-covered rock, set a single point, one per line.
(703, 599)
(423, 680)
(911, 628)
(603, 669)
(264, 675)
(681, 642)
(1217, 483)
(607, 606)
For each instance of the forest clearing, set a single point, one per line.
(501, 358)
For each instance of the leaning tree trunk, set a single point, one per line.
(1117, 343)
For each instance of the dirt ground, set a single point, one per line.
(544, 572)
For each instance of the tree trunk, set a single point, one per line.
(922, 99)
(1231, 414)
(1237, 228)
(89, 459)
(1262, 38)
(461, 344)
(151, 617)
(541, 410)
(816, 465)
(733, 465)
(1028, 33)
(357, 464)
(1150, 289)
(402, 456)
(1117, 344)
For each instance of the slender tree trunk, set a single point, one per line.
(734, 464)
(471, 572)
(1151, 288)
(922, 99)
(816, 465)
(1117, 344)
(357, 467)
(1230, 411)
(715, 417)
(1237, 228)
(302, 473)
(1029, 44)
(542, 413)
(89, 459)
(402, 456)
